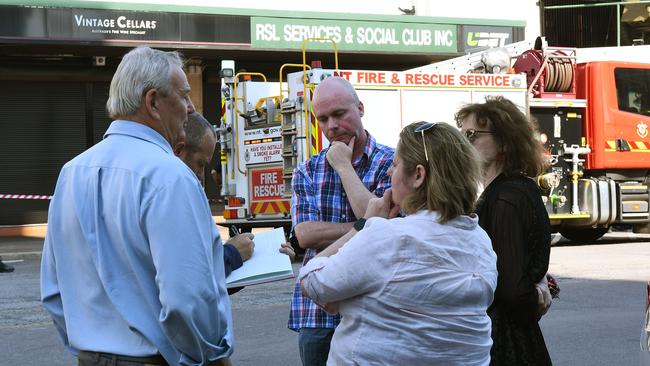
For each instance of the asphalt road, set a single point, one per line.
(596, 321)
(27, 337)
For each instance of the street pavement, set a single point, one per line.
(28, 338)
(598, 318)
(596, 321)
(17, 247)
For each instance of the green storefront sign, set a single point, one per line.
(286, 33)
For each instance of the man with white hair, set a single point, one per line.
(132, 270)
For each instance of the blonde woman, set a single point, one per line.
(413, 290)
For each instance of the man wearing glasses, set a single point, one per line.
(330, 192)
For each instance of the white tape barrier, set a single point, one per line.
(24, 197)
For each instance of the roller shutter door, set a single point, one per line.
(100, 119)
(42, 126)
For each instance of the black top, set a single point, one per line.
(512, 213)
(232, 260)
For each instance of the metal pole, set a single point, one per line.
(618, 24)
(542, 21)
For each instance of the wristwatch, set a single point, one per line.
(293, 239)
(359, 224)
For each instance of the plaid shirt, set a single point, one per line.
(318, 195)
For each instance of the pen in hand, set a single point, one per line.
(233, 231)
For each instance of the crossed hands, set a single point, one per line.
(330, 307)
(377, 207)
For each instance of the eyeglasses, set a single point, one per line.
(471, 134)
(421, 128)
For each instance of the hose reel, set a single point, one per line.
(548, 75)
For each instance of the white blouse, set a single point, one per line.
(411, 292)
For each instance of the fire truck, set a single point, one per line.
(593, 119)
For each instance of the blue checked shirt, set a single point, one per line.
(318, 195)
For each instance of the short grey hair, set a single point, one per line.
(195, 130)
(141, 70)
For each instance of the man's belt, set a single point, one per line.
(156, 360)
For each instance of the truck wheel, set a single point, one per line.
(641, 228)
(583, 235)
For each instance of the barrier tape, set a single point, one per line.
(24, 197)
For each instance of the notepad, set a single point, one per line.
(266, 264)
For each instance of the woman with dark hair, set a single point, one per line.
(511, 211)
(413, 290)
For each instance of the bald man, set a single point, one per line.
(330, 192)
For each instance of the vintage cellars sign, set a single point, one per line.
(67, 24)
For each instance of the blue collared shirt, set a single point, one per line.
(132, 262)
(318, 195)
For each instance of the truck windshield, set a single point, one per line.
(633, 90)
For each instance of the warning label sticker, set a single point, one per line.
(266, 184)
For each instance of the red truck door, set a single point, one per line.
(617, 123)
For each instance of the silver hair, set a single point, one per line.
(141, 70)
(195, 131)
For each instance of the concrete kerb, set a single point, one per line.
(25, 242)
(21, 256)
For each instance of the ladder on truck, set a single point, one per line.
(466, 63)
(301, 136)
